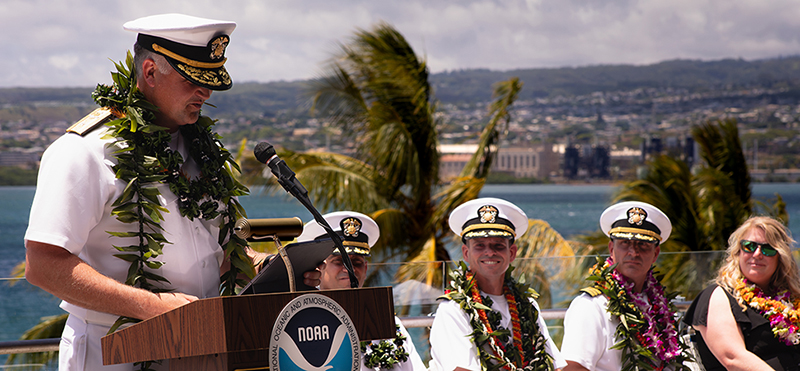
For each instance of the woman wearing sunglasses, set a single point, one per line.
(748, 318)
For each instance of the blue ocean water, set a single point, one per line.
(570, 209)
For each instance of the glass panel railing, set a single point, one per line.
(557, 279)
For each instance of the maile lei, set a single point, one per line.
(527, 352)
(386, 353)
(647, 333)
(782, 311)
(145, 160)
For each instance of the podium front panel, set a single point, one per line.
(234, 324)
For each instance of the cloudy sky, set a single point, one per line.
(72, 42)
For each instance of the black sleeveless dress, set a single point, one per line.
(758, 337)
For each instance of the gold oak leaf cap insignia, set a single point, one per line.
(195, 47)
(358, 232)
(495, 218)
(634, 220)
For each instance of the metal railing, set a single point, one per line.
(49, 345)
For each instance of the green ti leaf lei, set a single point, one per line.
(145, 160)
(533, 342)
(629, 333)
(386, 354)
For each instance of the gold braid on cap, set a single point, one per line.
(501, 227)
(645, 232)
(187, 61)
(356, 244)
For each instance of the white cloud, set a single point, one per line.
(64, 62)
(69, 42)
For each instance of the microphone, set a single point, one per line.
(257, 229)
(266, 154)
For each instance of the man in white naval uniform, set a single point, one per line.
(69, 251)
(359, 233)
(488, 228)
(635, 230)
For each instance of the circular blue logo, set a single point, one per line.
(314, 333)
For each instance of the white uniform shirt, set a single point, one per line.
(589, 332)
(72, 209)
(451, 345)
(413, 363)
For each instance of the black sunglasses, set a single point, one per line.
(751, 247)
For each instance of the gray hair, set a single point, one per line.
(140, 54)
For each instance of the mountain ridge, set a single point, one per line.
(471, 86)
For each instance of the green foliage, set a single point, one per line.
(377, 90)
(505, 178)
(705, 205)
(15, 176)
(48, 328)
(282, 98)
(386, 353)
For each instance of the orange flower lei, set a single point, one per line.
(516, 332)
(782, 311)
(529, 352)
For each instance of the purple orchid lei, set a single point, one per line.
(660, 335)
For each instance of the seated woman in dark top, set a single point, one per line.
(748, 319)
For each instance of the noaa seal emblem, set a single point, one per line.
(314, 333)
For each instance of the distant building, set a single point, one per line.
(23, 158)
(450, 165)
(586, 161)
(522, 162)
(572, 159)
(598, 166)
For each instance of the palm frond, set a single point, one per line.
(48, 328)
(423, 267)
(394, 225)
(505, 94)
(338, 181)
(544, 256)
(17, 272)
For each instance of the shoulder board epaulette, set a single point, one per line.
(592, 291)
(91, 121)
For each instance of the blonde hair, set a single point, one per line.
(786, 276)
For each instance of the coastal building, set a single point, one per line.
(26, 158)
(522, 162)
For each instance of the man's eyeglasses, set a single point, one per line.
(751, 247)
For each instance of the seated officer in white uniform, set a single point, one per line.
(461, 336)
(636, 230)
(84, 242)
(359, 233)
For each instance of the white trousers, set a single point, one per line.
(80, 348)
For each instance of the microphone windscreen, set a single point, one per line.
(284, 228)
(263, 152)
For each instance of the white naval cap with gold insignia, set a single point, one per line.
(358, 231)
(634, 220)
(488, 217)
(195, 47)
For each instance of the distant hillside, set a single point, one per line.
(472, 86)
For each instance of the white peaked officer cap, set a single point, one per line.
(634, 220)
(488, 217)
(358, 231)
(195, 47)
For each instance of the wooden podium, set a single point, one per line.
(232, 333)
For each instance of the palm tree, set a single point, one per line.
(376, 89)
(705, 205)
